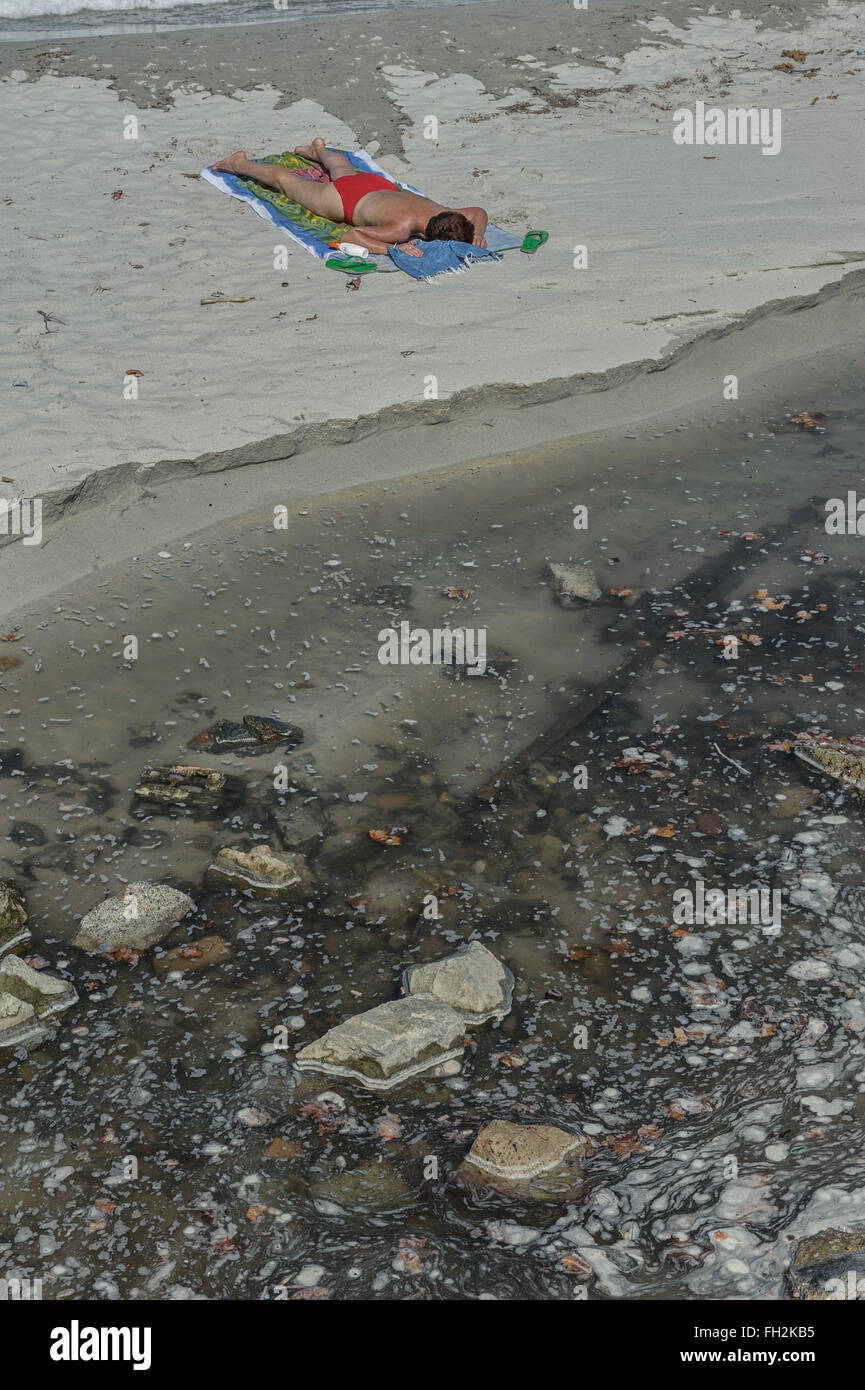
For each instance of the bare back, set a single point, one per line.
(409, 211)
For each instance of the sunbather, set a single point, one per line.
(381, 214)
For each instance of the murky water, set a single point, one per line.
(718, 1074)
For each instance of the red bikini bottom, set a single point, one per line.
(352, 187)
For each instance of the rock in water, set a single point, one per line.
(268, 730)
(572, 583)
(266, 870)
(204, 951)
(18, 1021)
(256, 731)
(140, 916)
(538, 1161)
(473, 981)
(842, 759)
(225, 737)
(823, 1264)
(13, 916)
(385, 1046)
(179, 785)
(48, 994)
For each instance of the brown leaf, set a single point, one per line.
(255, 1212)
(457, 593)
(579, 953)
(385, 837)
(572, 1264)
(326, 1113)
(104, 1204)
(618, 946)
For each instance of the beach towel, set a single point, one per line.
(315, 233)
(441, 258)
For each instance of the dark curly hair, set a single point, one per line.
(449, 226)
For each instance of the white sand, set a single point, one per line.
(678, 244)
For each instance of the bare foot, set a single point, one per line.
(313, 151)
(233, 164)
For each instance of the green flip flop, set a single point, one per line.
(352, 265)
(533, 240)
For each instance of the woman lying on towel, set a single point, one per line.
(383, 214)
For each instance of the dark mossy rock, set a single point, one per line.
(828, 1266)
(257, 731)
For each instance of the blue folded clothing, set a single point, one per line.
(440, 258)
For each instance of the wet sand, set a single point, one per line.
(700, 1045)
(681, 244)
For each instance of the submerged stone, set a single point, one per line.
(537, 1161)
(18, 1021)
(269, 730)
(224, 737)
(386, 1045)
(396, 896)
(180, 785)
(376, 1187)
(573, 583)
(13, 916)
(473, 981)
(828, 1266)
(256, 731)
(139, 917)
(265, 870)
(842, 759)
(195, 955)
(48, 994)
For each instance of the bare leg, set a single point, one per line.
(336, 164)
(320, 198)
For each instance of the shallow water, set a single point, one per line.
(721, 1092)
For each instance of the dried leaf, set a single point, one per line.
(384, 837)
(457, 593)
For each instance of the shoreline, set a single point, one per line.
(120, 516)
(685, 249)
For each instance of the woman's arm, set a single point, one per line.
(479, 221)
